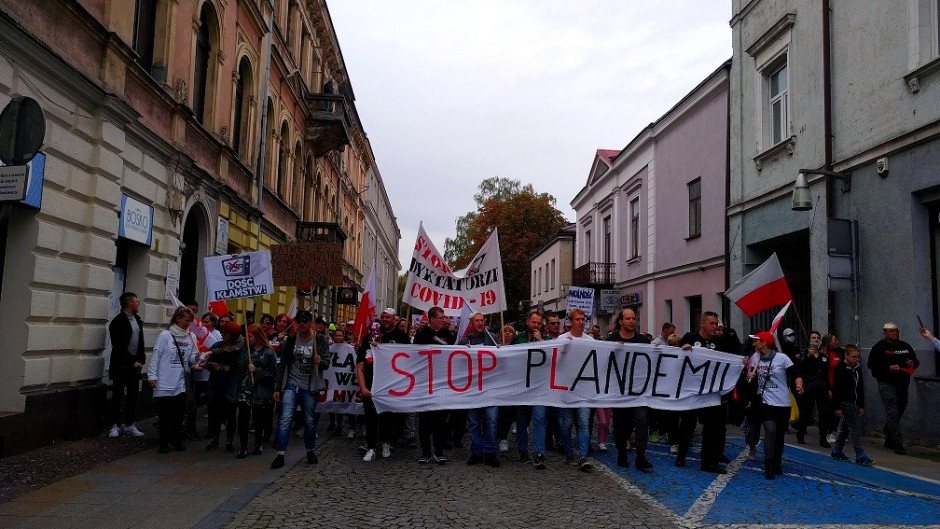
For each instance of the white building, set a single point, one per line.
(551, 267)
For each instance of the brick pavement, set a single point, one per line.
(343, 491)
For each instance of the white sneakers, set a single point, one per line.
(115, 431)
(831, 438)
(133, 431)
(503, 446)
(370, 455)
(386, 450)
(351, 434)
(602, 447)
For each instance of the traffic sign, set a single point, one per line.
(13, 180)
(22, 130)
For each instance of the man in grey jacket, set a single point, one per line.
(299, 378)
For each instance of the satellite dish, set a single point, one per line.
(22, 130)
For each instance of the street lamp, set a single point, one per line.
(801, 197)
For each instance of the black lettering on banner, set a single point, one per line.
(687, 362)
(724, 374)
(343, 378)
(530, 365)
(659, 374)
(592, 359)
(646, 381)
(621, 375)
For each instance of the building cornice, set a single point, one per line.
(771, 35)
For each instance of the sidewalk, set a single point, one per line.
(195, 488)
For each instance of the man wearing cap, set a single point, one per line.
(789, 347)
(298, 381)
(892, 363)
(377, 426)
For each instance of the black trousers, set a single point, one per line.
(714, 430)
(378, 426)
(626, 420)
(170, 411)
(243, 409)
(262, 416)
(507, 416)
(128, 380)
(432, 424)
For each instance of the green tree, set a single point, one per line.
(402, 306)
(525, 219)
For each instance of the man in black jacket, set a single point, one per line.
(127, 358)
(892, 362)
(433, 423)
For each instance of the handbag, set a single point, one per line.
(794, 409)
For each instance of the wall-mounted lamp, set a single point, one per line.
(801, 196)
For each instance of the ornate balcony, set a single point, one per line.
(328, 124)
(594, 275)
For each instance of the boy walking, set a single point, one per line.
(848, 393)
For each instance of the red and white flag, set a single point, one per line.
(465, 313)
(366, 313)
(762, 289)
(779, 317)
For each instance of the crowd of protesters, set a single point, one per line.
(264, 378)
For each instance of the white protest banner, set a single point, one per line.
(431, 282)
(563, 373)
(243, 275)
(342, 387)
(581, 298)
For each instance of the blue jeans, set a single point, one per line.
(584, 436)
(537, 414)
(290, 397)
(482, 423)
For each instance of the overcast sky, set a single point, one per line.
(451, 93)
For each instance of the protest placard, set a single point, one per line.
(342, 387)
(581, 298)
(562, 373)
(308, 263)
(235, 276)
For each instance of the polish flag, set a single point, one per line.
(465, 313)
(366, 313)
(779, 317)
(762, 289)
(219, 308)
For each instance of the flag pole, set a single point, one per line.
(251, 375)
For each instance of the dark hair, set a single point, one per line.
(268, 317)
(192, 302)
(668, 325)
(212, 317)
(620, 317)
(708, 314)
(125, 299)
(435, 312)
(816, 332)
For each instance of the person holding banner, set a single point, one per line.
(628, 419)
(340, 349)
(433, 423)
(533, 333)
(578, 320)
(173, 353)
(481, 421)
(264, 368)
(221, 365)
(772, 372)
(298, 380)
(377, 426)
(713, 418)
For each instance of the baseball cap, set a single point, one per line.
(891, 326)
(321, 319)
(789, 332)
(303, 316)
(763, 336)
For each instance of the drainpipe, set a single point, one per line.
(726, 316)
(827, 137)
(259, 173)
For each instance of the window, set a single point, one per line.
(667, 315)
(587, 246)
(695, 207)
(607, 239)
(534, 283)
(635, 228)
(145, 19)
(553, 274)
(282, 159)
(201, 67)
(241, 119)
(779, 105)
(694, 310)
(540, 280)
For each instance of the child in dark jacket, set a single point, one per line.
(848, 394)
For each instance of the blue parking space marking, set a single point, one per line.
(815, 490)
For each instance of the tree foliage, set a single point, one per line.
(525, 219)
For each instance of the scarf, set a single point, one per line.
(177, 332)
(768, 357)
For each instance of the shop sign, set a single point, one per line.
(136, 220)
(631, 298)
(610, 300)
(221, 237)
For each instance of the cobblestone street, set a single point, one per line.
(343, 491)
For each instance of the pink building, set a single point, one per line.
(651, 218)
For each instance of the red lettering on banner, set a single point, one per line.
(482, 368)
(419, 244)
(450, 371)
(430, 354)
(487, 297)
(554, 363)
(433, 297)
(411, 378)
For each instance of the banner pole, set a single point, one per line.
(247, 346)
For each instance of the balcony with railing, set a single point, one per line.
(594, 274)
(328, 124)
